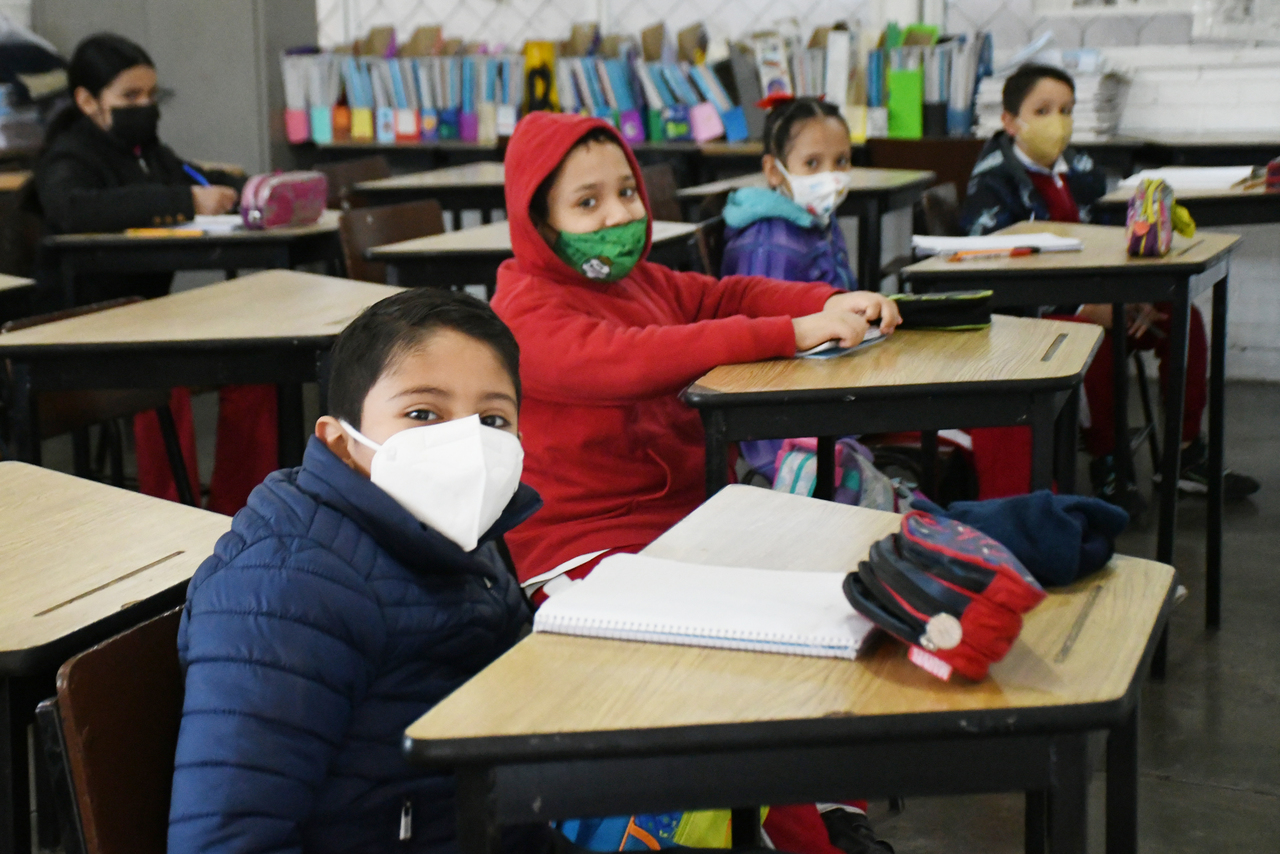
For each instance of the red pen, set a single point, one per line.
(1015, 252)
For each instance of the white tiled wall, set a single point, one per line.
(510, 21)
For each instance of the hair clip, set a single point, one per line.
(777, 99)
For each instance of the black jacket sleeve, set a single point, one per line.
(76, 197)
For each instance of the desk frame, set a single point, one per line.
(1048, 406)
(458, 198)
(1013, 287)
(76, 254)
(1041, 751)
(457, 268)
(287, 363)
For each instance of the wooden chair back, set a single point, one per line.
(941, 209)
(710, 238)
(120, 704)
(361, 229)
(950, 159)
(660, 183)
(345, 174)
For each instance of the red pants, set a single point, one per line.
(246, 446)
(1002, 455)
(1099, 385)
(799, 828)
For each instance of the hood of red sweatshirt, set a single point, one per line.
(540, 142)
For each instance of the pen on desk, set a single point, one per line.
(1015, 252)
(195, 175)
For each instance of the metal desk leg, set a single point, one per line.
(825, 477)
(13, 775)
(1217, 439)
(1064, 443)
(744, 827)
(1122, 786)
(1175, 400)
(67, 271)
(1042, 434)
(1068, 799)
(289, 436)
(1034, 824)
(869, 245)
(478, 831)
(929, 463)
(24, 432)
(717, 451)
(1120, 395)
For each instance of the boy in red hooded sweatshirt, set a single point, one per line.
(607, 341)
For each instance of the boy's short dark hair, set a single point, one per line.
(780, 122)
(386, 330)
(1025, 79)
(538, 204)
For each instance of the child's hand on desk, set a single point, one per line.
(843, 326)
(869, 305)
(211, 201)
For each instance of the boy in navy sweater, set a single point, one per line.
(355, 592)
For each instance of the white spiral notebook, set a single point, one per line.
(638, 598)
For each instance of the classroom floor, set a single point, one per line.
(1210, 753)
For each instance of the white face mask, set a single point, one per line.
(456, 476)
(819, 194)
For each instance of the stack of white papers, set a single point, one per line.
(927, 244)
(1182, 178)
(220, 224)
(638, 598)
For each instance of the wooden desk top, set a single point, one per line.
(607, 697)
(861, 181)
(1122, 195)
(11, 182)
(73, 551)
(1214, 139)
(327, 224)
(14, 283)
(484, 174)
(271, 305)
(1105, 250)
(1012, 349)
(495, 239)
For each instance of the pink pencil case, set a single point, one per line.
(283, 199)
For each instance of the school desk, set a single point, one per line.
(469, 186)
(1017, 371)
(268, 327)
(79, 562)
(283, 248)
(1209, 208)
(1104, 273)
(872, 194)
(471, 256)
(569, 726)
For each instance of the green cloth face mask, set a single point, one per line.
(606, 255)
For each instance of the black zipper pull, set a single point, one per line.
(406, 820)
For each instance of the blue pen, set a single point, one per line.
(195, 176)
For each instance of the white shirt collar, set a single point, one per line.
(1059, 168)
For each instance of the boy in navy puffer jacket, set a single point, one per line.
(355, 592)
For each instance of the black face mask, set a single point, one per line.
(135, 126)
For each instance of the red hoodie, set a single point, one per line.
(616, 456)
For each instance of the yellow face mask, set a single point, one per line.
(1044, 138)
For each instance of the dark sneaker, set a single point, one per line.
(1114, 489)
(850, 831)
(1194, 477)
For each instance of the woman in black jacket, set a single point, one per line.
(104, 169)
